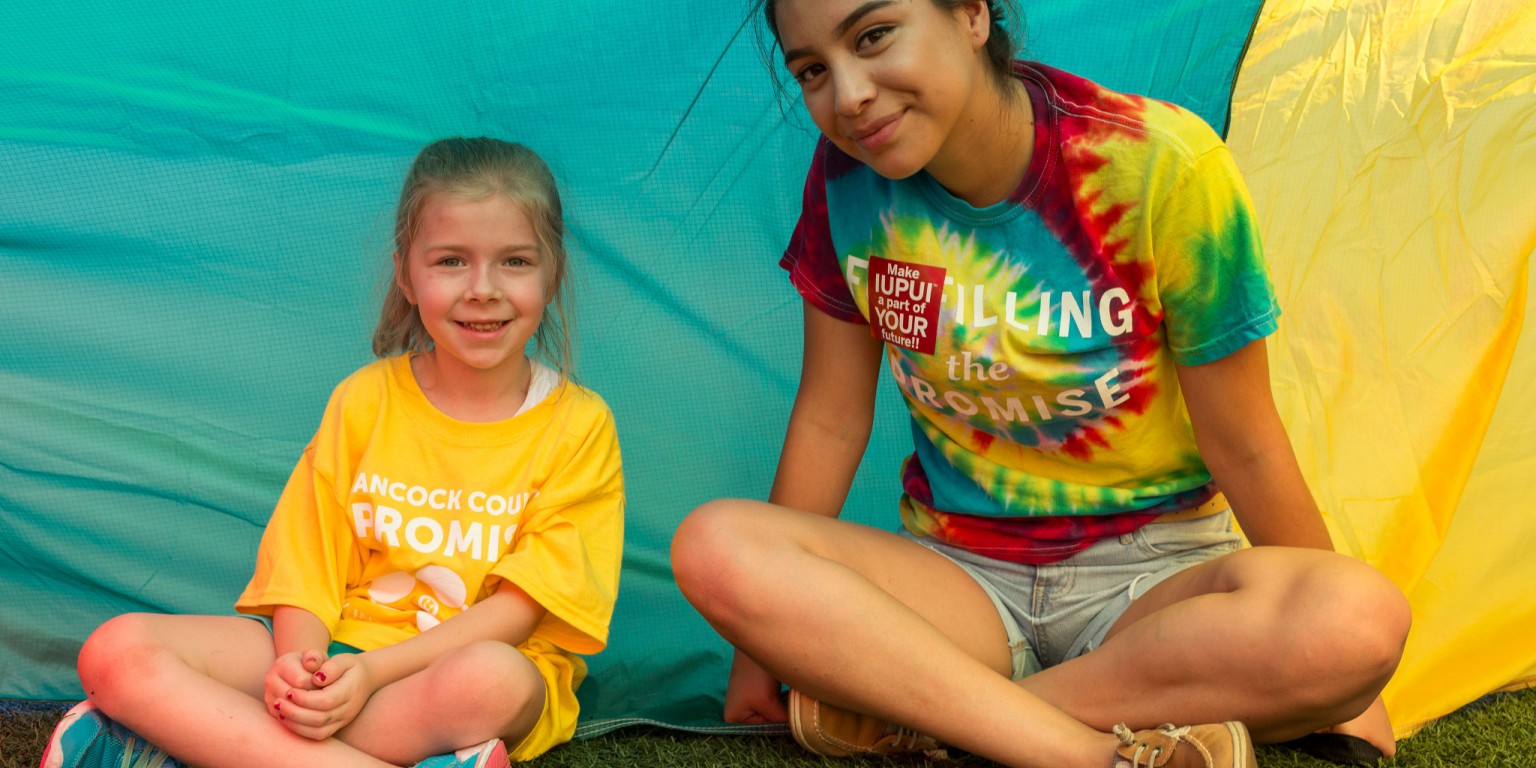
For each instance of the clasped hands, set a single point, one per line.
(315, 696)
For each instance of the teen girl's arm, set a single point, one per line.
(830, 423)
(344, 683)
(828, 431)
(1243, 442)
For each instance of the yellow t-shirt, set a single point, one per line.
(398, 517)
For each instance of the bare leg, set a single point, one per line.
(193, 684)
(485, 690)
(868, 620)
(1286, 640)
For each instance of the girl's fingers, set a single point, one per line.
(310, 701)
(309, 732)
(290, 668)
(312, 660)
(333, 668)
(294, 714)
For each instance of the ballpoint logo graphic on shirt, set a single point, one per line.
(411, 524)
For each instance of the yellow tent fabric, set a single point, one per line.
(1390, 148)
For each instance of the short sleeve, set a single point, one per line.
(811, 258)
(568, 550)
(305, 552)
(1212, 281)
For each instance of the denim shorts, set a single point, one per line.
(1062, 610)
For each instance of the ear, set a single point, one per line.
(403, 279)
(977, 17)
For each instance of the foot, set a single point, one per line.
(1218, 745)
(491, 754)
(1336, 748)
(836, 732)
(85, 738)
(1373, 725)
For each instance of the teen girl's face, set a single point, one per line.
(887, 81)
(479, 280)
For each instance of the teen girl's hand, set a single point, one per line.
(752, 694)
(341, 686)
(290, 671)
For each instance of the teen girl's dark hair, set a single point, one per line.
(1001, 47)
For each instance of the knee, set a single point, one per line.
(1373, 614)
(1359, 622)
(1385, 618)
(490, 681)
(114, 654)
(714, 551)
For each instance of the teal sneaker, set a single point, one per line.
(85, 738)
(491, 754)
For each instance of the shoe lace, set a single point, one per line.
(1128, 738)
(148, 757)
(902, 737)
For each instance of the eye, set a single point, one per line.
(873, 36)
(516, 261)
(808, 73)
(450, 261)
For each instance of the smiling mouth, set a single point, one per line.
(872, 128)
(484, 327)
(876, 134)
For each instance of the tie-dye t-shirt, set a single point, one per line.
(1034, 340)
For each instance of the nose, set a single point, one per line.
(482, 285)
(853, 90)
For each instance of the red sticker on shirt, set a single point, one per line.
(904, 303)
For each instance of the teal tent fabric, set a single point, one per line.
(193, 225)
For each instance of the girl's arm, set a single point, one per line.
(1243, 442)
(834, 410)
(828, 431)
(299, 640)
(509, 615)
(345, 682)
(295, 629)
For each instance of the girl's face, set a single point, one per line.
(479, 281)
(887, 81)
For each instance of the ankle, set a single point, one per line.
(1104, 746)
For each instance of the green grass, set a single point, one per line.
(1496, 732)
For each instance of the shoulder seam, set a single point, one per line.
(1089, 112)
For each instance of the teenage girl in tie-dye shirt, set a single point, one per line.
(1067, 285)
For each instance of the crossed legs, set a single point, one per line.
(1286, 640)
(192, 685)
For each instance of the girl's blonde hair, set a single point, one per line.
(473, 169)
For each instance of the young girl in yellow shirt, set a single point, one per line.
(450, 538)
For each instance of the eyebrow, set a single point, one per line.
(516, 247)
(843, 26)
